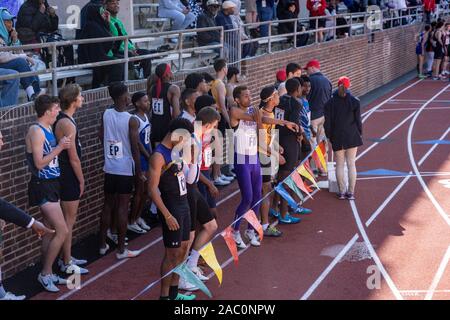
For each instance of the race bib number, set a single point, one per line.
(54, 163)
(279, 114)
(157, 106)
(252, 140)
(147, 135)
(207, 154)
(182, 183)
(115, 150)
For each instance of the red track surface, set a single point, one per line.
(409, 235)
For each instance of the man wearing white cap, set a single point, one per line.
(206, 20)
(173, 9)
(223, 18)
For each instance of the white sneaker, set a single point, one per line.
(47, 282)
(251, 235)
(141, 223)
(226, 178)
(103, 251)
(58, 280)
(187, 286)
(72, 268)
(78, 262)
(115, 238)
(128, 254)
(238, 239)
(10, 296)
(135, 228)
(199, 273)
(220, 182)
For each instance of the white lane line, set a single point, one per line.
(118, 264)
(330, 267)
(436, 204)
(411, 100)
(411, 109)
(438, 275)
(385, 136)
(368, 113)
(374, 255)
(440, 174)
(434, 147)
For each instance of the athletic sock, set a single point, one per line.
(173, 292)
(193, 259)
(30, 91)
(2, 291)
(265, 226)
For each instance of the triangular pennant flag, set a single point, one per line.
(209, 256)
(323, 147)
(316, 159)
(305, 173)
(309, 189)
(308, 168)
(185, 272)
(227, 235)
(250, 216)
(291, 184)
(300, 184)
(323, 163)
(286, 196)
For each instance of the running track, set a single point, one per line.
(403, 222)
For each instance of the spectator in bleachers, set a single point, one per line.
(34, 17)
(287, 9)
(98, 26)
(207, 20)
(83, 12)
(429, 6)
(265, 13)
(317, 9)
(330, 12)
(9, 89)
(195, 9)
(251, 15)
(248, 49)
(223, 18)
(118, 29)
(173, 9)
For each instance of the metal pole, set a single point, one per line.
(180, 50)
(125, 50)
(270, 37)
(316, 31)
(351, 23)
(222, 41)
(295, 33)
(240, 48)
(54, 70)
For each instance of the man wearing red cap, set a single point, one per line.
(321, 90)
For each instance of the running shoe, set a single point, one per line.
(288, 219)
(238, 239)
(78, 262)
(141, 223)
(12, 297)
(47, 282)
(187, 286)
(301, 210)
(128, 254)
(251, 235)
(72, 268)
(136, 228)
(199, 273)
(341, 196)
(103, 251)
(226, 178)
(185, 297)
(115, 238)
(220, 182)
(272, 232)
(349, 196)
(274, 213)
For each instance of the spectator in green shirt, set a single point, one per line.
(118, 29)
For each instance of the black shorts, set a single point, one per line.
(439, 53)
(291, 152)
(198, 207)
(265, 177)
(70, 186)
(205, 191)
(180, 211)
(321, 23)
(41, 191)
(117, 184)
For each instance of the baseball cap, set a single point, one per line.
(228, 4)
(213, 3)
(281, 75)
(345, 81)
(313, 63)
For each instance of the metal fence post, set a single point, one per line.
(180, 50)
(125, 50)
(240, 48)
(295, 33)
(222, 41)
(54, 70)
(317, 30)
(269, 43)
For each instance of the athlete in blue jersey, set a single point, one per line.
(43, 189)
(141, 129)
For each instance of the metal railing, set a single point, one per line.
(53, 47)
(231, 44)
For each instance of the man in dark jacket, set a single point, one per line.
(10, 213)
(35, 16)
(206, 20)
(223, 18)
(321, 90)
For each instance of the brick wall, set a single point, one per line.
(369, 65)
